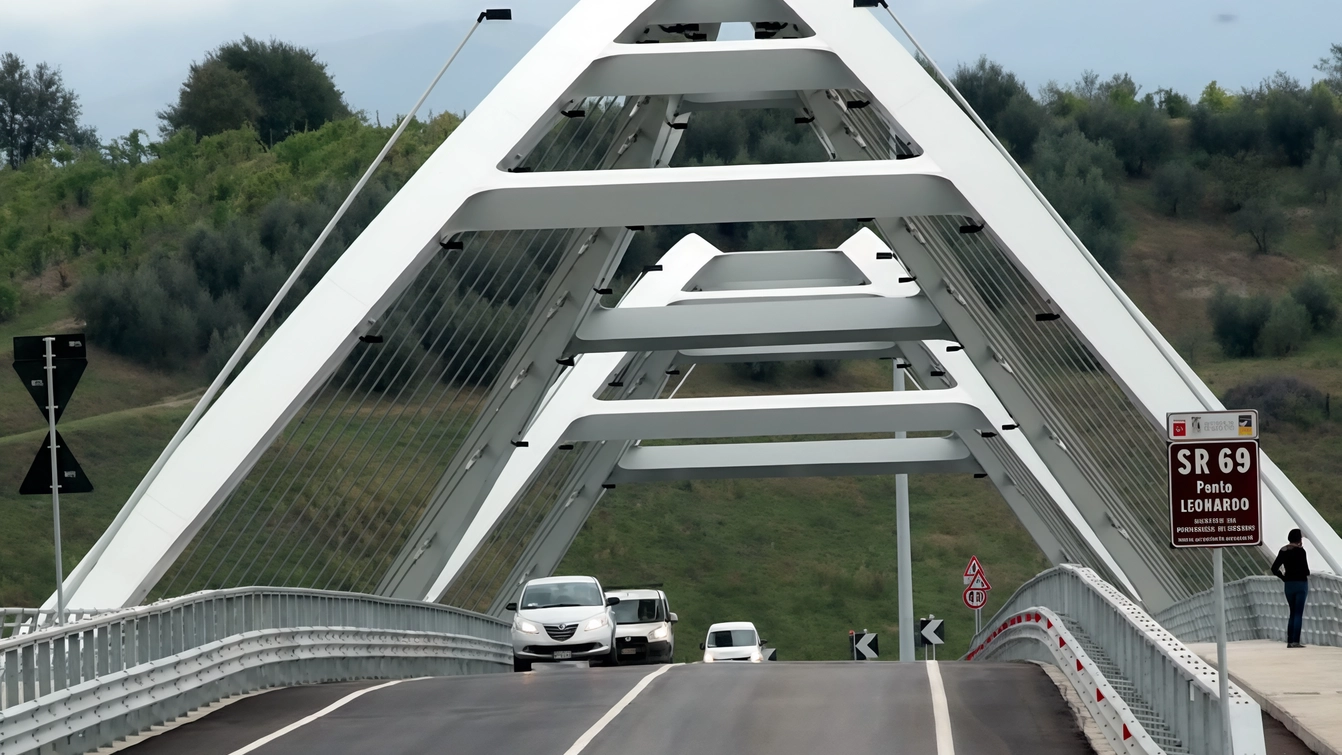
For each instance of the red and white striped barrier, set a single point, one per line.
(1116, 720)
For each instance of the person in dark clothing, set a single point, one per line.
(1292, 567)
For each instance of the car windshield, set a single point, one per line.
(731, 638)
(558, 594)
(639, 611)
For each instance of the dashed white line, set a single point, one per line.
(347, 699)
(941, 711)
(596, 728)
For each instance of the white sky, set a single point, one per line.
(126, 58)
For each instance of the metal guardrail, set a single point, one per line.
(1022, 635)
(1256, 610)
(19, 621)
(76, 688)
(1178, 689)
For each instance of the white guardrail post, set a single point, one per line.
(1169, 683)
(85, 685)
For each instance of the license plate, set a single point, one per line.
(563, 655)
(628, 651)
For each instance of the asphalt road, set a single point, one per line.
(773, 708)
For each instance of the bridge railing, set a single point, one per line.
(1137, 657)
(85, 685)
(1256, 610)
(19, 621)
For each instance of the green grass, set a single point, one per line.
(115, 451)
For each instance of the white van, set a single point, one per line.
(733, 641)
(644, 626)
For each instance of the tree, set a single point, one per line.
(1288, 117)
(1323, 172)
(1328, 222)
(1179, 187)
(1331, 68)
(1314, 296)
(1075, 173)
(1263, 219)
(37, 111)
(1237, 321)
(275, 86)
(988, 87)
(1286, 330)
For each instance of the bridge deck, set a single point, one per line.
(1301, 688)
(774, 708)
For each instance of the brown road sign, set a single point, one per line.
(1214, 494)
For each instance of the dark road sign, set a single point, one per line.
(67, 366)
(931, 632)
(30, 361)
(1214, 494)
(865, 647)
(72, 477)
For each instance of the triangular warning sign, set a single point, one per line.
(974, 567)
(979, 582)
(34, 376)
(71, 476)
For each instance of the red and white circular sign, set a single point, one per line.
(975, 598)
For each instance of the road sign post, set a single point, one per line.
(1214, 502)
(50, 367)
(904, 548)
(975, 595)
(931, 632)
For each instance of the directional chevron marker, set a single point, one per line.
(865, 646)
(932, 631)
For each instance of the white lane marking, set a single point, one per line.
(591, 733)
(347, 699)
(941, 712)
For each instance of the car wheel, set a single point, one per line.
(520, 665)
(613, 659)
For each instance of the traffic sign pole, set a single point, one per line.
(55, 477)
(1223, 669)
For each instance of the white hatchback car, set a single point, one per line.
(733, 641)
(562, 619)
(644, 631)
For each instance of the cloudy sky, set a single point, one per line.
(126, 58)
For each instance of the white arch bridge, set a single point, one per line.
(438, 417)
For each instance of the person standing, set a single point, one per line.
(1292, 567)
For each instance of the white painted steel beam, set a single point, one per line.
(828, 458)
(731, 324)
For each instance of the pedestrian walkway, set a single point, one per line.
(1302, 688)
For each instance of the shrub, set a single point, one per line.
(1328, 222)
(1178, 187)
(1279, 399)
(1237, 321)
(826, 368)
(760, 372)
(1263, 219)
(1286, 330)
(1314, 296)
(9, 301)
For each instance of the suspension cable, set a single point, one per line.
(222, 378)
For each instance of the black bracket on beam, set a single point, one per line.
(370, 339)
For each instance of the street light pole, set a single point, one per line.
(904, 555)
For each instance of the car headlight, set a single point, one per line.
(708, 658)
(756, 657)
(659, 633)
(522, 625)
(596, 623)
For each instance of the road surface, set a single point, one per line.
(764, 709)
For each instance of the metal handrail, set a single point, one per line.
(1024, 634)
(1256, 610)
(1172, 679)
(84, 685)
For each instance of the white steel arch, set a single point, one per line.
(953, 170)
